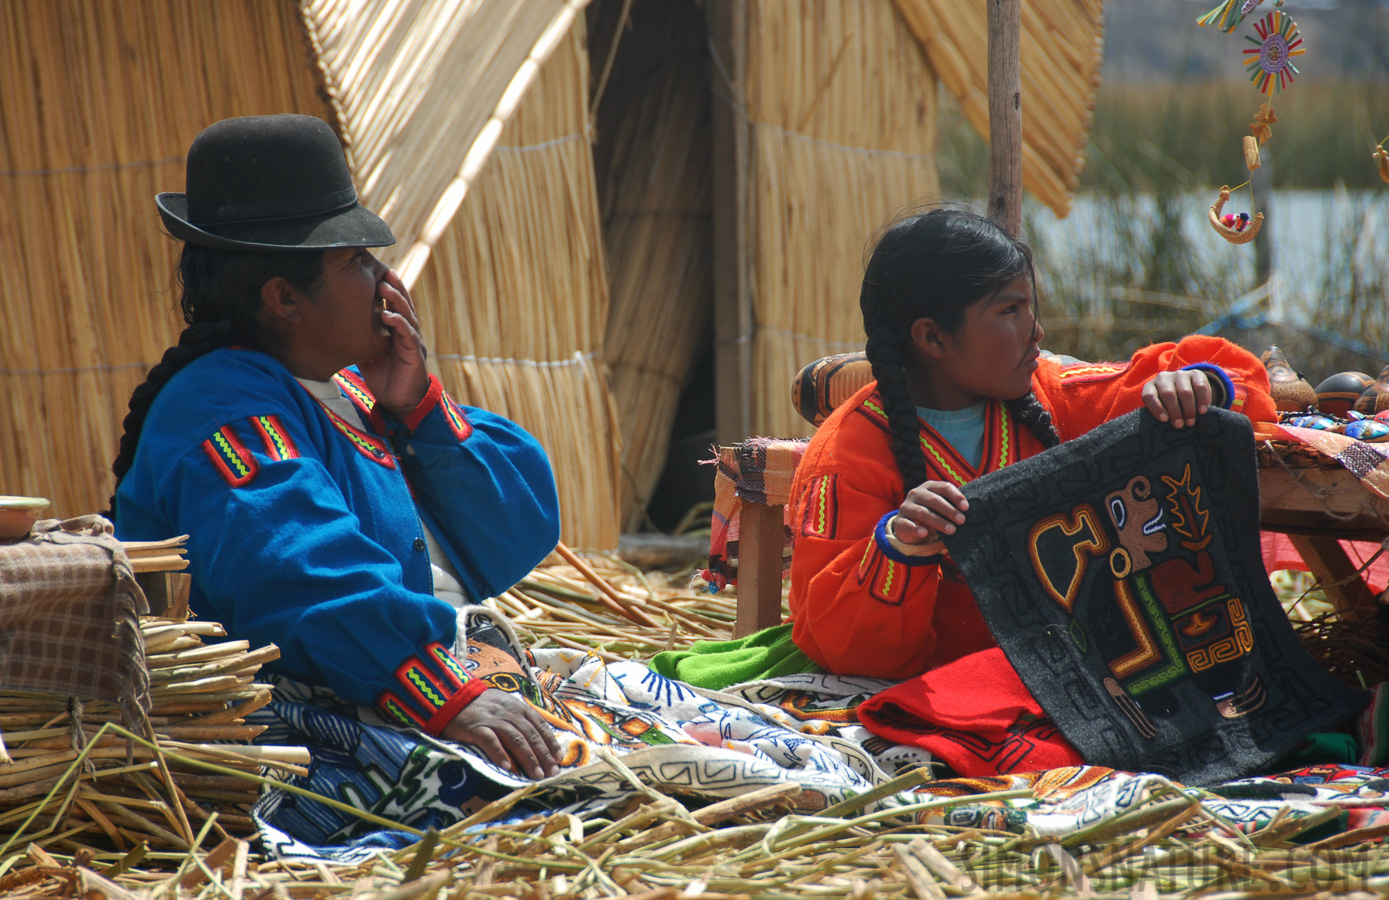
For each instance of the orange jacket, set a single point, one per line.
(856, 610)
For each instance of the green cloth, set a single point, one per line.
(1322, 747)
(714, 665)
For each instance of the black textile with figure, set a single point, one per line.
(1121, 574)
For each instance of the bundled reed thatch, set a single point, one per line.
(422, 89)
(840, 109)
(656, 192)
(70, 782)
(99, 100)
(1062, 45)
(514, 296)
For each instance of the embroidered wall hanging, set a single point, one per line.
(1121, 574)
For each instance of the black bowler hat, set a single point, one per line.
(270, 183)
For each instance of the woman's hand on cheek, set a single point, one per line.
(932, 509)
(398, 378)
(1178, 397)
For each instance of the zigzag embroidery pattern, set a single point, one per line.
(1083, 372)
(230, 457)
(279, 445)
(372, 448)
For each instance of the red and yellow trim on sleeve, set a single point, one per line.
(279, 445)
(230, 457)
(458, 423)
(821, 516)
(1082, 372)
(886, 579)
(434, 687)
(1240, 398)
(432, 398)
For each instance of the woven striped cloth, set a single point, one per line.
(758, 470)
(69, 616)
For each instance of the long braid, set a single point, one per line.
(196, 340)
(891, 376)
(1028, 410)
(220, 302)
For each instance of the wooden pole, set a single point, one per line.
(1005, 114)
(728, 22)
(607, 594)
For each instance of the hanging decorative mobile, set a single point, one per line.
(1270, 60)
(1228, 15)
(1239, 228)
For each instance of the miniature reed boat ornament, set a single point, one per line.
(1234, 229)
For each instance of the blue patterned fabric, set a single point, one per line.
(389, 772)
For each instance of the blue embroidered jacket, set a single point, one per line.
(304, 528)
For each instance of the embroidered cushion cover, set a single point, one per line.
(1121, 574)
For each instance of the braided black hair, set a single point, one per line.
(935, 265)
(220, 301)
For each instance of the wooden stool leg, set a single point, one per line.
(759, 568)
(1327, 560)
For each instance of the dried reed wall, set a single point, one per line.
(656, 193)
(1061, 48)
(840, 107)
(513, 298)
(99, 100)
(422, 89)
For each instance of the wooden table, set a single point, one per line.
(1314, 501)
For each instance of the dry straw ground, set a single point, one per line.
(109, 840)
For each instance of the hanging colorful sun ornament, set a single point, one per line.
(1228, 15)
(1270, 60)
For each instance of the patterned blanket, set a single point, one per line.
(621, 722)
(699, 744)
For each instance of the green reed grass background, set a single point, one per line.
(1157, 153)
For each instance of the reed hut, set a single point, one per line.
(717, 166)
(98, 103)
(818, 125)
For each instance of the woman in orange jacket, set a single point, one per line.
(961, 390)
(949, 308)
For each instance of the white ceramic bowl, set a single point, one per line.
(18, 514)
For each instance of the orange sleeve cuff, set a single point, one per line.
(431, 688)
(431, 399)
(466, 694)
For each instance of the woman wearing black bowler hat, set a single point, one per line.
(338, 503)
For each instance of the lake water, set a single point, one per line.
(1320, 240)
